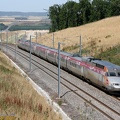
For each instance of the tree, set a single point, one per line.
(73, 14)
(54, 12)
(98, 11)
(114, 7)
(63, 16)
(70, 12)
(85, 9)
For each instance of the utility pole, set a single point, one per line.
(80, 46)
(53, 39)
(36, 37)
(6, 40)
(16, 46)
(59, 68)
(1, 39)
(30, 55)
(11, 36)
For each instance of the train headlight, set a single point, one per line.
(116, 84)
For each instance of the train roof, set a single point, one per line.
(85, 59)
(40, 45)
(101, 63)
(109, 65)
(78, 58)
(24, 40)
(65, 53)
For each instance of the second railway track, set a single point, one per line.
(112, 113)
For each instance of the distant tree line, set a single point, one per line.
(21, 18)
(2, 26)
(73, 14)
(30, 27)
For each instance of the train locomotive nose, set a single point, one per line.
(115, 83)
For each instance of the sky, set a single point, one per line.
(29, 5)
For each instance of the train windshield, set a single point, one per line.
(112, 74)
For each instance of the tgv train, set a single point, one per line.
(101, 73)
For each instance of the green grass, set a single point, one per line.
(111, 55)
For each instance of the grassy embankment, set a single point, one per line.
(112, 55)
(18, 98)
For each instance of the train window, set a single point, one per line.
(100, 66)
(42, 52)
(112, 74)
(51, 55)
(80, 67)
(107, 74)
(73, 64)
(62, 59)
(118, 74)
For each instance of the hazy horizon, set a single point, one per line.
(29, 6)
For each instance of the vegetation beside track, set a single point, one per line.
(18, 99)
(111, 54)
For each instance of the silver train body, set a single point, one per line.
(99, 72)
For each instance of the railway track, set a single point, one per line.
(97, 104)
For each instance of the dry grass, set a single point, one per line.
(17, 96)
(105, 33)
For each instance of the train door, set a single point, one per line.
(100, 79)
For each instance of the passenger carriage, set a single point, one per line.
(27, 45)
(51, 55)
(74, 65)
(63, 59)
(32, 47)
(40, 51)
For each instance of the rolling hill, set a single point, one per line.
(104, 33)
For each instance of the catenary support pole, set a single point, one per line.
(15, 46)
(80, 45)
(30, 55)
(53, 39)
(1, 40)
(6, 41)
(36, 37)
(58, 69)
